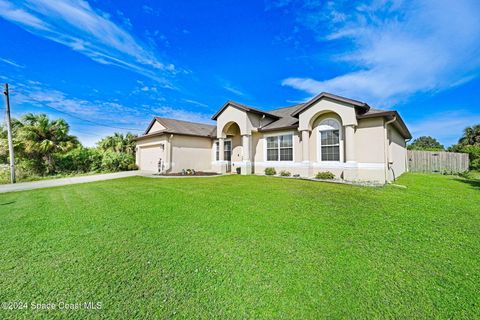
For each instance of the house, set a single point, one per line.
(327, 133)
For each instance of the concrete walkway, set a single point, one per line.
(65, 181)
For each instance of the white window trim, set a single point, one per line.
(214, 148)
(276, 134)
(319, 143)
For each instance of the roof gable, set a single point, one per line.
(325, 95)
(181, 127)
(242, 107)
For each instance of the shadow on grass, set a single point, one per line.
(7, 203)
(472, 182)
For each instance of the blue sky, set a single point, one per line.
(118, 63)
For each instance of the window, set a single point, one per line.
(227, 150)
(329, 140)
(280, 148)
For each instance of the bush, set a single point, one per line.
(116, 161)
(79, 160)
(285, 173)
(326, 175)
(270, 171)
(473, 154)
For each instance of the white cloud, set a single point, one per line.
(37, 97)
(77, 25)
(12, 63)
(447, 127)
(395, 48)
(197, 103)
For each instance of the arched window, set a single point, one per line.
(329, 140)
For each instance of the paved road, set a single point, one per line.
(65, 181)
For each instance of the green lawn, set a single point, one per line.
(245, 247)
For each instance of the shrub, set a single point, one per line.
(327, 175)
(285, 173)
(116, 161)
(270, 171)
(80, 160)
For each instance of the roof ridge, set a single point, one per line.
(293, 105)
(201, 123)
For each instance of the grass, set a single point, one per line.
(244, 247)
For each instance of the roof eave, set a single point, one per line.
(330, 96)
(279, 128)
(390, 114)
(243, 108)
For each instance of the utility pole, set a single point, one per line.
(9, 134)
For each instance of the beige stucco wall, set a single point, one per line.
(156, 127)
(344, 111)
(229, 115)
(397, 153)
(245, 120)
(373, 145)
(189, 152)
(370, 141)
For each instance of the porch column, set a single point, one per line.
(305, 146)
(246, 147)
(350, 143)
(222, 166)
(247, 162)
(221, 149)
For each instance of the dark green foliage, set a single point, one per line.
(118, 143)
(470, 143)
(117, 161)
(326, 175)
(426, 143)
(285, 173)
(270, 171)
(80, 160)
(44, 147)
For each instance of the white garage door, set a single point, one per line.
(149, 157)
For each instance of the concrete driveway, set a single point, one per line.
(65, 181)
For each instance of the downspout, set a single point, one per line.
(169, 151)
(387, 157)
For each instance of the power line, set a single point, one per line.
(79, 118)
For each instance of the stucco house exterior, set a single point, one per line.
(327, 133)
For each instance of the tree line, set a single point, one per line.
(45, 147)
(468, 143)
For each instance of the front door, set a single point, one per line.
(228, 154)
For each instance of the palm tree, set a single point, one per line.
(40, 138)
(471, 135)
(118, 143)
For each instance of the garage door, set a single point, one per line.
(150, 156)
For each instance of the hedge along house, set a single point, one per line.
(327, 133)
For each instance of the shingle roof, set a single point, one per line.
(286, 120)
(244, 108)
(183, 127)
(282, 118)
(322, 95)
(187, 127)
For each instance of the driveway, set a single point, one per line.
(65, 181)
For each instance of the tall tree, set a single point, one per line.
(426, 143)
(118, 143)
(471, 136)
(39, 138)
